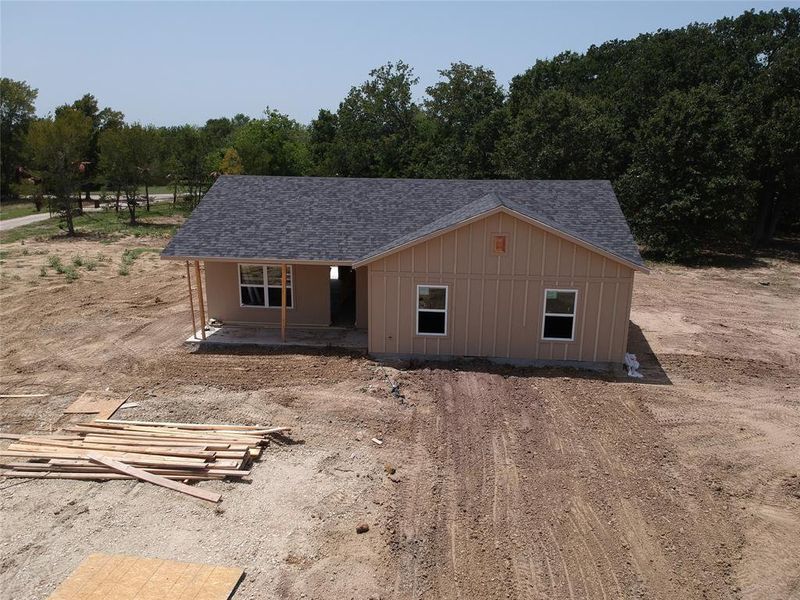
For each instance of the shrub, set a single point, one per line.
(90, 265)
(54, 262)
(77, 260)
(70, 274)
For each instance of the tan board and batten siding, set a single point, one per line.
(311, 291)
(495, 302)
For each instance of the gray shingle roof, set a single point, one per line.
(349, 220)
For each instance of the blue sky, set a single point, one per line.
(185, 62)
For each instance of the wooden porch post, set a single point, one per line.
(200, 299)
(191, 301)
(283, 302)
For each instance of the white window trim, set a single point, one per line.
(265, 286)
(439, 310)
(546, 314)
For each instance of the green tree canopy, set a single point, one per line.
(562, 136)
(101, 119)
(376, 126)
(59, 147)
(128, 156)
(686, 188)
(322, 143)
(231, 163)
(467, 119)
(274, 145)
(17, 100)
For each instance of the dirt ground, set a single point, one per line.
(509, 483)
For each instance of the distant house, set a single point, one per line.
(522, 271)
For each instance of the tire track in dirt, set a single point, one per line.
(744, 433)
(556, 488)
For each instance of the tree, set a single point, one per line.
(16, 113)
(186, 158)
(322, 142)
(59, 147)
(686, 189)
(102, 119)
(781, 202)
(562, 136)
(127, 158)
(377, 125)
(132, 142)
(768, 121)
(231, 163)
(274, 145)
(751, 61)
(467, 119)
(114, 161)
(147, 157)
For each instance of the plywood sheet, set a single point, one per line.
(99, 402)
(122, 577)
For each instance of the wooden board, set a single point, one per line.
(102, 403)
(121, 467)
(224, 426)
(121, 577)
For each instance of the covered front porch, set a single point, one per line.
(276, 304)
(254, 335)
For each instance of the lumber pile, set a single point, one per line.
(107, 449)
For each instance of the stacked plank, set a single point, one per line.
(173, 451)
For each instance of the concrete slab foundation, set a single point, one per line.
(311, 337)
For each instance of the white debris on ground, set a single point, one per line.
(632, 365)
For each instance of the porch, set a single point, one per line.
(309, 337)
(313, 306)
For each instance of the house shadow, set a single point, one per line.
(650, 366)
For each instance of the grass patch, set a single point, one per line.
(18, 209)
(55, 262)
(105, 225)
(70, 274)
(130, 255)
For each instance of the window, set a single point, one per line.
(260, 285)
(559, 314)
(431, 310)
(499, 244)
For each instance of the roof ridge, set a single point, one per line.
(482, 205)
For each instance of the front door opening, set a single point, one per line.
(343, 297)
